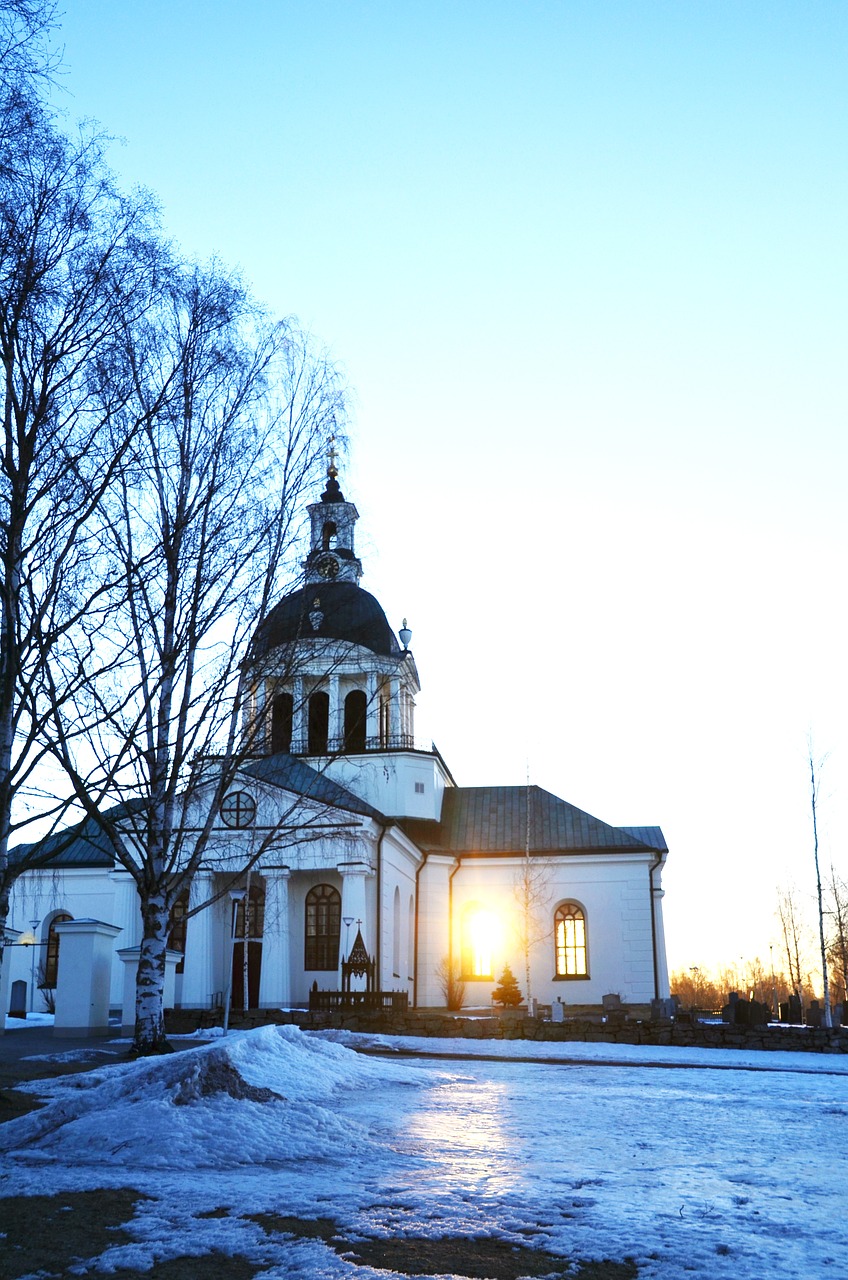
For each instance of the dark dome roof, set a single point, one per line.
(347, 613)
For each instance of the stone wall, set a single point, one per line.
(443, 1025)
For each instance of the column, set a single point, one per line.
(336, 726)
(395, 727)
(199, 964)
(372, 712)
(275, 974)
(434, 927)
(126, 914)
(9, 937)
(299, 716)
(659, 943)
(354, 875)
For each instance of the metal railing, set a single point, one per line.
(358, 1001)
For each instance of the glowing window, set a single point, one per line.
(570, 939)
(479, 938)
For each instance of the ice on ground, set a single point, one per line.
(610, 1053)
(257, 1097)
(729, 1174)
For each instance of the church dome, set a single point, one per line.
(326, 611)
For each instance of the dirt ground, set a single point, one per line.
(63, 1235)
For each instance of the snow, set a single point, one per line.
(718, 1164)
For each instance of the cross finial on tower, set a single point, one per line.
(332, 469)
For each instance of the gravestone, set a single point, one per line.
(614, 1010)
(18, 999)
(814, 1014)
(558, 1010)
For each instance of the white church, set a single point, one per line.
(365, 835)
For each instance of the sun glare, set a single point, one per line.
(484, 936)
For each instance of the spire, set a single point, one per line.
(332, 557)
(333, 492)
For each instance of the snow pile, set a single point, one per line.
(264, 1096)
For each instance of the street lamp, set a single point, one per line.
(236, 896)
(347, 921)
(33, 925)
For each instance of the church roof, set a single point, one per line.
(84, 845)
(486, 820)
(326, 611)
(283, 770)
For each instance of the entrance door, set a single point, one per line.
(250, 920)
(254, 968)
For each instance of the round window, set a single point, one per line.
(238, 809)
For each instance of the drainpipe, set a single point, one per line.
(384, 826)
(415, 955)
(450, 910)
(656, 863)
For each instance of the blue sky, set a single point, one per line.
(585, 267)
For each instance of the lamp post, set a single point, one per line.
(236, 896)
(33, 925)
(347, 921)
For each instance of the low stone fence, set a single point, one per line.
(511, 1027)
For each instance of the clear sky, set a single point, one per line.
(585, 266)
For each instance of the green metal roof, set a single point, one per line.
(494, 820)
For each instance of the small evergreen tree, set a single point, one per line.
(507, 992)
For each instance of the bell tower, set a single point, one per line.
(331, 555)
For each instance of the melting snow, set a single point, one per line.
(731, 1174)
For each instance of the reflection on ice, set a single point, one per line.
(464, 1133)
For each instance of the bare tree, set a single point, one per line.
(202, 517)
(838, 941)
(26, 63)
(532, 893)
(74, 266)
(792, 928)
(449, 978)
(815, 773)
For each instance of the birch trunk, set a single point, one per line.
(150, 979)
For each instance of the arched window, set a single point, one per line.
(177, 928)
(410, 940)
(282, 720)
(328, 535)
(319, 723)
(51, 959)
(355, 706)
(477, 942)
(396, 934)
(572, 957)
(323, 925)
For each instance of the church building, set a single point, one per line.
(365, 837)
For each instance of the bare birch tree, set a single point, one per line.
(792, 928)
(74, 265)
(815, 774)
(531, 888)
(235, 416)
